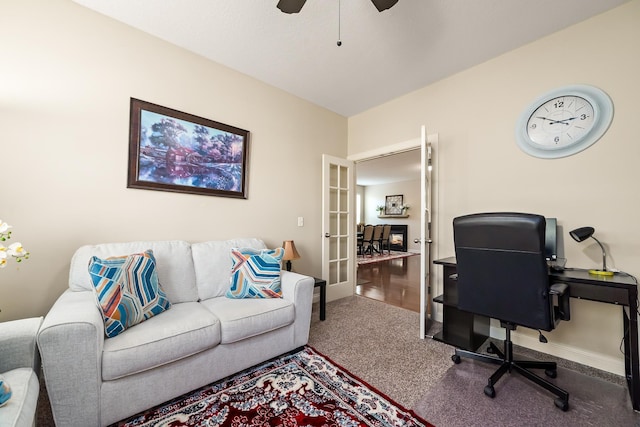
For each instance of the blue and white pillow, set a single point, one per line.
(127, 290)
(255, 273)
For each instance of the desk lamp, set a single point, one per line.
(290, 252)
(583, 233)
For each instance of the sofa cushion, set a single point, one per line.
(245, 318)
(127, 290)
(255, 273)
(188, 328)
(212, 264)
(173, 262)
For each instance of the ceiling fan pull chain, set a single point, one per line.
(339, 43)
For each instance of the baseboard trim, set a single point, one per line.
(589, 358)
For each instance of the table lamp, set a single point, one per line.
(583, 233)
(290, 252)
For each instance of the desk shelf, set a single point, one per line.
(449, 298)
(459, 328)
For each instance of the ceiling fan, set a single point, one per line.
(294, 6)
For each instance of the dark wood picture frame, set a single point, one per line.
(393, 204)
(174, 151)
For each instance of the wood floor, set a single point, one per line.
(396, 282)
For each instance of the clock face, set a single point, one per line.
(561, 121)
(564, 121)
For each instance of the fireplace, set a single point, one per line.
(398, 238)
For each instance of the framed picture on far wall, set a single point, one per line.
(393, 205)
(174, 151)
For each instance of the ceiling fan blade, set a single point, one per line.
(383, 4)
(291, 6)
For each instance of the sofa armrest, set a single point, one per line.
(299, 289)
(18, 344)
(71, 340)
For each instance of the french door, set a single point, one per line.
(426, 230)
(338, 225)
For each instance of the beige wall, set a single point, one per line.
(480, 168)
(66, 77)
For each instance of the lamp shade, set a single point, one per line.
(582, 233)
(290, 251)
(383, 4)
(291, 6)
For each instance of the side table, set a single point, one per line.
(323, 296)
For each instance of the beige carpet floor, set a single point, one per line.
(380, 343)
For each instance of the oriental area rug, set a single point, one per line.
(300, 389)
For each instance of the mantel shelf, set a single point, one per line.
(393, 216)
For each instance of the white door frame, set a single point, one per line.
(400, 147)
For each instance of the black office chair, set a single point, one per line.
(502, 273)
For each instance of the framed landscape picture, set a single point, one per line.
(174, 151)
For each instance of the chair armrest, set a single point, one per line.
(559, 289)
(71, 341)
(18, 344)
(563, 309)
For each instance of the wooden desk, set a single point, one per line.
(469, 331)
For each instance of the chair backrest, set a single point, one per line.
(377, 231)
(502, 270)
(368, 233)
(386, 232)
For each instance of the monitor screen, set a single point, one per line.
(551, 240)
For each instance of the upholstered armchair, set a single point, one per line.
(19, 366)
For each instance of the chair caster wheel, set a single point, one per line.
(551, 373)
(491, 392)
(562, 404)
(455, 358)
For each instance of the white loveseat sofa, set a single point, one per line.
(95, 381)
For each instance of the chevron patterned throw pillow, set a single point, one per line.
(255, 273)
(127, 290)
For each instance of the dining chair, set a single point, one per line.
(385, 239)
(367, 240)
(377, 237)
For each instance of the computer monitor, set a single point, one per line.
(551, 240)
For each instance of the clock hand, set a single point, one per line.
(563, 121)
(553, 122)
(545, 118)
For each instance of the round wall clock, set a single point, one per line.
(564, 121)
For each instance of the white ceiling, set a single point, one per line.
(383, 54)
